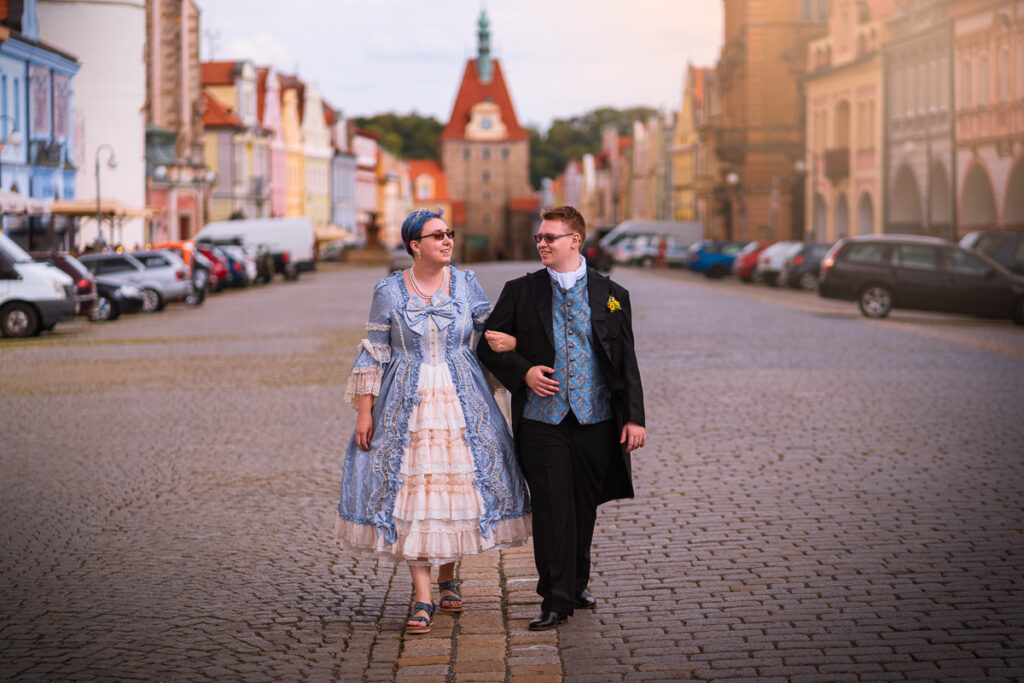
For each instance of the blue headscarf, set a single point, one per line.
(413, 224)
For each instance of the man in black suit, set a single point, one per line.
(577, 403)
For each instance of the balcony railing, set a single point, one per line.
(837, 163)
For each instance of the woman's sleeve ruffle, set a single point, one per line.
(361, 382)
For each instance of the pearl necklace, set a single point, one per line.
(416, 285)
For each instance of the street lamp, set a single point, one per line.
(13, 139)
(733, 178)
(112, 162)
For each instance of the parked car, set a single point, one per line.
(597, 256)
(801, 269)
(200, 268)
(746, 259)
(159, 284)
(883, 272)
(34, 297)
(1002, 246)
(772, 260)
(290, 240)
(115, 299)
(85, 283)
(165, 258)
(246, 258)
(218, 265)
(714, 258)
(647, 251)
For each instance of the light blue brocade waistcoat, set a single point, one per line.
(581, 384)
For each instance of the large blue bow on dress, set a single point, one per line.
(439, 310)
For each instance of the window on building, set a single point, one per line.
(504, 153)
(965, 83)
(944, 98)
(1004, 73)
(487, 176)
(805, 10)
(487, 196)
(1020, 69)
(870, 142)
(486, 153)
(465, 153)
(908, 83)
(982, 79)
(935, 85)
(486, 219)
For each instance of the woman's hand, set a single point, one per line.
(364, 422)
(499, 341)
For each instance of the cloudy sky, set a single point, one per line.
(560, 57)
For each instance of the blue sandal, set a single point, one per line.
(448, 600)
(425, 621)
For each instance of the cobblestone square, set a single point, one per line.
(822, 497)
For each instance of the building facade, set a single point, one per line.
(759, 136)
(485, 154)
(108, 118)
(36, 131)
(268, 92)
(240, 156)
(365, 149)
(844, 90)
(685, 147)
(318, 151)
(920, 163)
(988, 68)
(343, 173)
(177, 180)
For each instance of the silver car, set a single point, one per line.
(162, 276)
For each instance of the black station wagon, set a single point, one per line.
(883, 272)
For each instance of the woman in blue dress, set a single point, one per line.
(430, 474)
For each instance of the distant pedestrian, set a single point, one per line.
(577, 402)
(430, 474)
(662, 261)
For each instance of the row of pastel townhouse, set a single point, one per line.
(823, 119)
(112, 133)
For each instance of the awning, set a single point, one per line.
(329, 233)
(109, 208)
(15, 203)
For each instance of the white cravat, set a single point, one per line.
(567, 280)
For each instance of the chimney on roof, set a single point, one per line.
(483, 60)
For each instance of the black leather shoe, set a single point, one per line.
(585, 599)
(547, 621)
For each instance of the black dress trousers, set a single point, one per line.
(565, 466)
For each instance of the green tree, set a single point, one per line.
(410, 136)
(573, 137)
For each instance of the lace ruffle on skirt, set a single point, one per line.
(438, 508)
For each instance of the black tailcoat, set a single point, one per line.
(524, 311)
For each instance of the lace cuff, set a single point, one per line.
(361, 382)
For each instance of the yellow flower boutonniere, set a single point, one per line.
(613, 304)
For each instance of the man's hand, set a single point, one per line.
(633, 435)
(542, 385)
(499, 341)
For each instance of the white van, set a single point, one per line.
(290, 240)
(33, 296)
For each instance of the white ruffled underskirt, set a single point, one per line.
(438, 508)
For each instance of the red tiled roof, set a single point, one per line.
(471, 92)
(217, 73)
(523, 203)
(330, 114)
(431, 167)
(216, 115)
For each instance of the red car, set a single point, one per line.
(219, 274)
(85, 283)
(746, 259)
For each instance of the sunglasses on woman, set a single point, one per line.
(439, 235)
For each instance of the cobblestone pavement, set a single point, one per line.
(823, 497)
